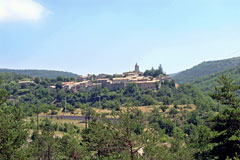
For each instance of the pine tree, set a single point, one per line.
(13, 136)
(46, 143)
(125, 136)
(226, 142)
(160, 69)
(3, 94)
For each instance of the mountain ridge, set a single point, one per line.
(205, 68)
(40, 73)
(207, 83)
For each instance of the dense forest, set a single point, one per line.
(183, 123)
(40, 73)
(208, 83)
(205, 69)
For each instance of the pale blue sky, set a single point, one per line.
(110, 36)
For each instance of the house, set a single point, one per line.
(92, 82)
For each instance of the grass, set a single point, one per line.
(59, 121)
(145, 109)
(68, 121)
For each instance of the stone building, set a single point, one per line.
(104, 81)
(92, 82)
(148, 84)
(115, 86)
(136, 72)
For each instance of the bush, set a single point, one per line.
(173, 111)
(164, 108)
(147, 100)
(54, 112)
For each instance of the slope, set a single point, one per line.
(205, 69)
(208, 83)
(40, 73)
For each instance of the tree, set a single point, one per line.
(133, 133)
(3, 94)
(193, 118)
(12, 131)
(158, 122)
(121, 137)
(12, 134)
(131, 90)
(59, 85)
(160, 69)
(200, 137)
(173, 111)
(226, 94)
(100, 140)
(37, 80)
(164, 108)
(154, 72)
(60, 78)
(147, 100)
(227, 124)
(46, 144)
(72, 148)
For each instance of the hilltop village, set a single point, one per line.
(117, 81)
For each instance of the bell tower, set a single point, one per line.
(136, 68)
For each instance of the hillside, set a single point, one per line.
(150, 114)
(207, 83)
(40, 73)
(205, 69)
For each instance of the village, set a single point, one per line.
(117, 81)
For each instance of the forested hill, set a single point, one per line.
(40, 73)
(208, 83)
(205, 69)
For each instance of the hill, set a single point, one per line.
(40, 73)
(207, 83)
(205, 69)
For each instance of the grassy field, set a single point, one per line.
(182, 109)
(144, 109)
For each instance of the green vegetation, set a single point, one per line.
(182, 124)
(208, 83)
(40, 73)
(39, 96)
(226, 125)
(154, 72)
(205, 69)
(12, 131)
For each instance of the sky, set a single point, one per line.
(110, 36)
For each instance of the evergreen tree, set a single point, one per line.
(99, 138)
(226, 142)
(71, 147)
(46, 144)
(160, 69)
(13, 136)
(3, 94)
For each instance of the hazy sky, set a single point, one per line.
(110, 36)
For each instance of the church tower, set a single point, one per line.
(136, 68)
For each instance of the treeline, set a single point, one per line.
(40, 73)
(154, 72)
(205, 69)
(208, 83)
